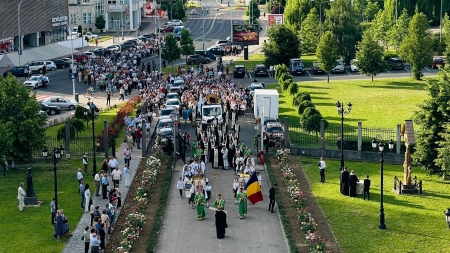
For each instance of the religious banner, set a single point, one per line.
(275, 19)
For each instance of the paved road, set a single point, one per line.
(259, 232)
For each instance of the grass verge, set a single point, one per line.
(382, 103)
(414, 223)
(164, 186)
(287, 225)
(31, 230)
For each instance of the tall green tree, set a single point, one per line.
(446, 34)
(443, 150)
(309, 34)
(186, 43)
(416, 48)
(371, 9)
(310, 120)
(327, 52)
(399, 30)
(23, 128)
(342, 21)
(253, 12)
(430, 119)
(283, 45)
(100, 23)
(380, 26)
(296, 12)
(170, 51)
(177, 10)
(370, 56)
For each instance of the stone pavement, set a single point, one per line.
(260, 231)
(74, 243)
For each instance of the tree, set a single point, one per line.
(80, 31)
(170, 51)
(327, 52)
(279, 70)
(371, 9)
(370, 56)
(253, 12)
(177, 10)
(300, 97)
(399, 30)
(416, 48)
(186, 43)
(283, 45)
(380, 26)
(342, 21)
(296, 12)
(431, 118)
(443, 150)
(309, 34)
(303, 105)
(310, 120)
(22, 127)
(100, 23)
(446, 34)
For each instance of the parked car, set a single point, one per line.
(34, 82)
(100, 51)
(166, 28)
(174, 22)
(127, 45)
(50, 110)
(196, 59)
(273, 133)
(216, 50)
(339, 67)
(35, 66)
(114, 47)
(17, 71)
(239, 71)
(50, 65)
(436, 62)
(260, 69)
(194, 12)
(90, 54)
(150, 35)
(68, 60)
(60, 64)
(296, 66)
(317, 69)
(91, 35)
(80, 57)
(61, 102)
(353, 66)
(396, 63)
(206, 54)
(223, 43)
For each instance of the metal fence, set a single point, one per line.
(299, 137)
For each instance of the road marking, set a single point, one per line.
(406, 69)
(308, 73)
(427, 69)
(348, 72)
(387, 70)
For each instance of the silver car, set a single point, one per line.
(61, 102)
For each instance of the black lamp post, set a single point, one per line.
(94, 114)
(341, 111)
(56, 157)
(381, 145)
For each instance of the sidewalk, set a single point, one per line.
(74, 244)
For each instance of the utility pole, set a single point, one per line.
(203, 14)
(81, 22)
(20, 36)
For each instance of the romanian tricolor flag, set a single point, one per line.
(253, 188)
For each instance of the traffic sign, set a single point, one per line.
(73, 76)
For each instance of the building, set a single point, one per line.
(118, 14)
(38, 23)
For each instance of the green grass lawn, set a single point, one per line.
(252, 61)
(101, 39)
(30, 230)
(106, 115)
(383, 103)
(414, 223)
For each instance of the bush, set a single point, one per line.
(293, 88)
(303, 105)
(286, 84)
(300, 97)
(164, 7)
(282, 80)
(279, 70)
(79, 112)
(61, 135)
(77, 124)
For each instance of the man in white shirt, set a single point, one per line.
(112, 163)
(97, 183)
(194, 168)
(85, 163)
(322, 165)
(79, 176)
(116, 176)
(202, 166)
(180, 187)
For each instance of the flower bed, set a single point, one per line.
(307, 225)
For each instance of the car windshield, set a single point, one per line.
(166, 134)
(166, 112)
(438, 60)
(255, 87)
(275, 130)
(34, 78)
(269, 121)
(212, 111)
(173, 95)
(162, 124)
(173, 102)
(297, 64)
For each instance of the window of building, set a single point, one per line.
(112, 2)
(123, 1)
(99, 8)
(87, 18)
(73, 18)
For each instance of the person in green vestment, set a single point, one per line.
(242, 203)
(219, 203)
(200, 202)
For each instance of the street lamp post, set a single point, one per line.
(18, 22)
(81, 22)
(94, 113)
(342, 112)
(381, 145)
(56, 157)
(203, 14)
(320, 13)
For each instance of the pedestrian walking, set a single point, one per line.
(21, 196)
(85, 163)
(97, 183)
(322, 165)
(272, 198)
(126, 175)
(105, 184)
(53, 211)
(180, 186)
(108, 98)
(116, 175)
(366, 187)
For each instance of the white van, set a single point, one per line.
(75, 31)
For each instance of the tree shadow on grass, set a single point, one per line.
(281, 102)
(337, 118)
(397, 85)
(392, 200)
